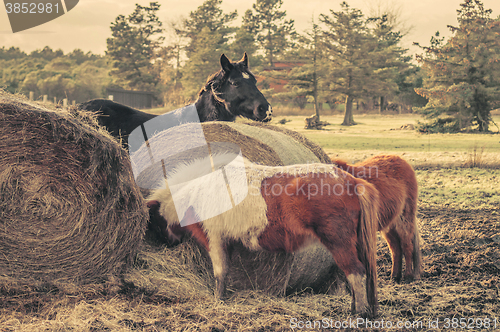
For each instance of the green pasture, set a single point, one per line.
(459, 188)
(382, 133)
(376, 134)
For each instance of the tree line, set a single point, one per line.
(344, 57)
(462, 75)
(354, 58)
(76, 76)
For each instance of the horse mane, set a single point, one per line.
(215, 77)
(343, 166)
(215, 109)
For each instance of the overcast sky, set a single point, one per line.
(88, 25)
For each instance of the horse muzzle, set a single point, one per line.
(264, 114)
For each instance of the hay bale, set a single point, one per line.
(70, 209)
(260, 143)
(263, 144)
(311, 146)
(288, 149)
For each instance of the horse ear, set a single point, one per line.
(225, 63)
(245, 60)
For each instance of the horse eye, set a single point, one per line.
(233, 83)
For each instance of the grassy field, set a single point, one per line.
(459, 218)
(442, 161)
(376, 134)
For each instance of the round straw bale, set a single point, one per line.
(311, 146)
(261, 144)
(70, 210)
(266, 145)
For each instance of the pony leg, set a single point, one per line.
(359, 304)
(410, 240)
(346, 257)
(218, 256)
(394, 242)
(417, 255)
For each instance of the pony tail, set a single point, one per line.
(367, 238)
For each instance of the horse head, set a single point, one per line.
(234, 86)
(170, 234)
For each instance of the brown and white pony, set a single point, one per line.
(397, 185)
(285, 209)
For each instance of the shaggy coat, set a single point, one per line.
(397, 185)
(285, 209)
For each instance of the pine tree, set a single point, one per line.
(245, 40)
(210, 16)
(133, 46)
(274, 33)
(204, 61)
(388, 59)
(348, 47)
(462, 79)
(303, 79)
(208, 33)
(176, 50)
(363, 55)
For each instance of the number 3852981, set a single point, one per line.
(32, 8)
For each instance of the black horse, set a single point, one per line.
(229, 93)
(118, 119)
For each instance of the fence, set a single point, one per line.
(134, 99)
(45, 99)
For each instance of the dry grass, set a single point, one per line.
(475, 158)
(461, 280)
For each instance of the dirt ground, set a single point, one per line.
(459, 288)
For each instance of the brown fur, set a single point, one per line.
(278, 273)
(395, 180)
(285, 210)
(344, 223)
